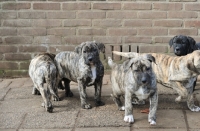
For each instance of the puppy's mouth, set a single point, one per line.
(178, 53)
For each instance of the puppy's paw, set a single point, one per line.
(99, 103)
(178, 99)
(195, 108)
(152, 122)
(129, 118)
(122, 108)
(56, 98)
(86, 106)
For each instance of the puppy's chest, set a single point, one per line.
(141, 94)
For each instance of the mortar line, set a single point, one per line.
(186, 121)
(73, 129)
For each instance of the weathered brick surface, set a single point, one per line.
(28, 27)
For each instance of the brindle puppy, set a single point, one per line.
(83, 67)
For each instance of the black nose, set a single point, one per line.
(144, 80)
(177, 49)
(90, 59)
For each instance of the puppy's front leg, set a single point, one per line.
(97, 95)
(128, 107)
(153, 108)
(83, 95)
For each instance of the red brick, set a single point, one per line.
(152, 15)
(53, 39)
(76, 6)
(90, 31)
(17, 23)
(152, 31)
(46, 23)
(153, 49)
(77, 22)
(137, 6)
(65, 48)
(24, 65)
(46, 6)
(168, 23)
(32, 31)
(192, 7)
(31, 15)
(7, 49)
(167, 6)
(91, 15)
(192, 23)
(107, 6)
(8, 31)
(182, 14)
(187, 32)
(61, 15)
(138, 23)
(17, 56)
(19, 40)
(122, 32)
(8, 15)
(108, 39)
(8, 65)
(107, 23)
(133, 39)
(163, 39)
(121, 14)
(32, 49)
(61, 31)
(75, 40)
(16, 6)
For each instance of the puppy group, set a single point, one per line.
(136, 78)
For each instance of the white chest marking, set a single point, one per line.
(140, 94)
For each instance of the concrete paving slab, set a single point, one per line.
(8, 130)
(90, 118)
(104, 129)
(165, 119)
(5, 83)
(28, 83)
(45, 130)
(11, 120)
(22, 105)
(3, 92)
(45, 120)
(193, 121)
(159, 129)
(18, 82)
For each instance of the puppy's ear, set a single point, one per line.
(192, 43)
(128, 64)
(78, 49)
(101, 46)
(171, 41)
(151, 58)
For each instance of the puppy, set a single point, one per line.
(83, 67)
(183, 45)
(43, 70)
(178, 73)
(134, 78)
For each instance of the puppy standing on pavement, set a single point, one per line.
(178, 73)
(83, 67)
(43, 70)
(134, 78)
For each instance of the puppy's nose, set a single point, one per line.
(177, 49)
(144, 80)
(90, 58)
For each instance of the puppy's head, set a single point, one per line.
(182, 45)
(89, 51)
(141, 69)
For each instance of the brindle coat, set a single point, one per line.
(179, 73)
(83, 67)
(134, 78)
(43, 70)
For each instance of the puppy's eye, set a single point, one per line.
(148, 68)
(84, 51)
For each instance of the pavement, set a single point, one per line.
(22, 111)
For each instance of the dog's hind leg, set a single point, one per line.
(68, 92)
(35, 91)
(97, 95)
(181, 90)
(118, 102)
(190, 101)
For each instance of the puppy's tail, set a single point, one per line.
(110, 62)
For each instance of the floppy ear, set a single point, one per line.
(192, 43)
(101, 47)
(150, 58)
(128, 64)
(78, 49)
(171, 41)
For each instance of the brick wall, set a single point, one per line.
(28, 27)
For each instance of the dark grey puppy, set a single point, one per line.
(43, 70)
(83, 67)
(134, 78)
(183, 45)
